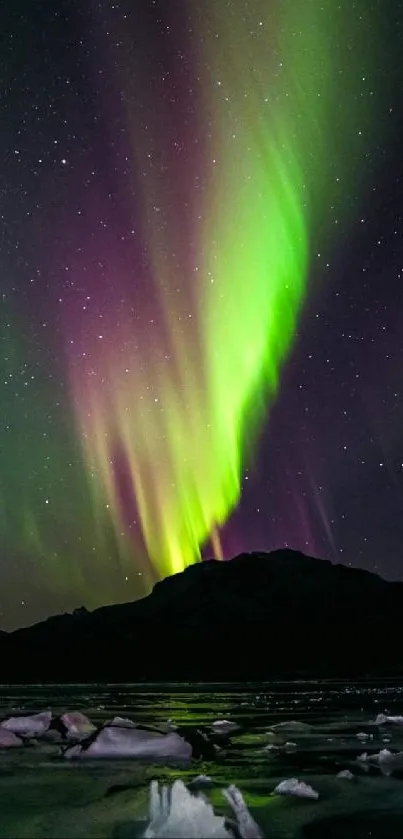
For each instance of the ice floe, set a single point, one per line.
(245, 823)
(224, 726)
(113, 741)
(8, 739)
(388, 762)
(78, 726)
(176, 812)
(122, 722)
(292, 725)
(292, 786)
(78, 738)
(32, 726)
(385, 719)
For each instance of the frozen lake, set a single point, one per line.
(43, 795)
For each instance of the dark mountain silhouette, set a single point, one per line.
(259, 616)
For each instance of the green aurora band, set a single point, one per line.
(275, 136)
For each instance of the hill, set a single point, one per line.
(258, 616)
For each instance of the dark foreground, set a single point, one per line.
(41, 795)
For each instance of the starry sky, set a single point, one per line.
(201, 291)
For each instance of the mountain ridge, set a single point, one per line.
(256, 616)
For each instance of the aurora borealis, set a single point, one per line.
(197, 291)
(170, 440)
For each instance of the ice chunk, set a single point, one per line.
(224, 726)
(388, 762)
(292, 725)
(363, 761)
(78, 725)
(383, 719)
(114, 742)
(381, 756)
(247, 827)
(346, 775)
(8, 739)
(292, 786)
(32, 726)
(274, 749)
(176, 812)
(123, 722)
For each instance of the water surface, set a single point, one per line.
(42, 795)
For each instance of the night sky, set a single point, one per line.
(201, 285)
